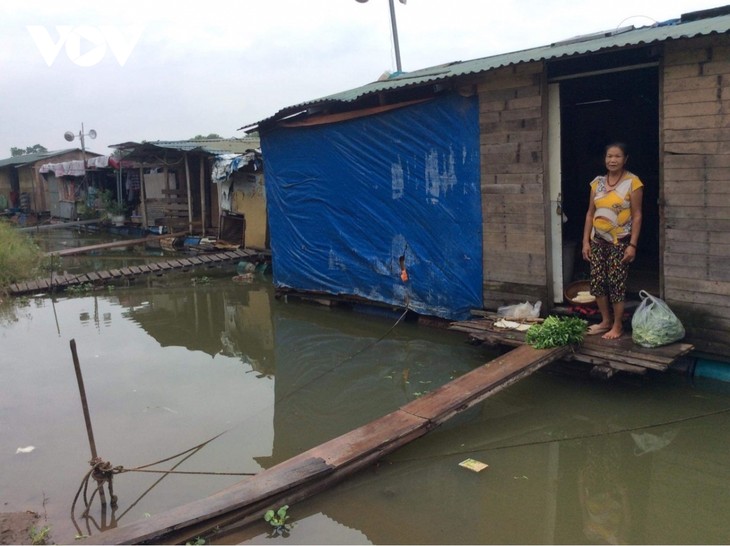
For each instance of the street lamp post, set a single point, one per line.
(395, 31)
(69, 136)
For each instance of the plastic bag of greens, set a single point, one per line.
(654, 324)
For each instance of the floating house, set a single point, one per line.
(464, 186)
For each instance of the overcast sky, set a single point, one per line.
(152, 70)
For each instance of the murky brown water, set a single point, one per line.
(170, 364)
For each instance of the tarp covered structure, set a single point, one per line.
(354, 203)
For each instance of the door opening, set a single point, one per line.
(595, 111)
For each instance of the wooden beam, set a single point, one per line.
(202, 194)
(324, 465)
(190, 194)
(143, 197)
(100, 246)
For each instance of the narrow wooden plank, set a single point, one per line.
(135, 270)
(473, 387)
(116, 273)
(307, 468)
(113, 244)
(105, 275)
(332, 461)
(126, 272)
(92, 276)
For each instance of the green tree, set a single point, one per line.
(35, 149)
(210, 136)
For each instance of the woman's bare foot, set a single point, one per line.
(600, 328)
(614, 333)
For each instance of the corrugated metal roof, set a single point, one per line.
(19, 160)
(714, 21)
(211, 146)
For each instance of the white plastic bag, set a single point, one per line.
(654, 324)
(520, 310)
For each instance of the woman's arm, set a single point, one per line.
(637, 197)
(588, 226)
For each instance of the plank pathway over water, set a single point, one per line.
(323, 466)
(61, 282)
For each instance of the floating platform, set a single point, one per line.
(605, 356)
(100, 278)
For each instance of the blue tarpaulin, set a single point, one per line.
(352, 203)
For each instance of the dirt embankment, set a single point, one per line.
(15, 527)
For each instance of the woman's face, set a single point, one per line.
(615, 159)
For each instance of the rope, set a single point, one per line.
(103, 471)
(568, 439)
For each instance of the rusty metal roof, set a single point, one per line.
(20, 160)
(701, 23)
(214, 146)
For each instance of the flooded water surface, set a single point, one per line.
(215, 379)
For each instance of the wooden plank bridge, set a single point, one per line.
(321, 467)
(100, 278)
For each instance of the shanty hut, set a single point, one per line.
(464, 186)
(22, 186)
(173, 181)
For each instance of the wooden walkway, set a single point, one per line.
(605, 356)
(323, 466)
(100, 278)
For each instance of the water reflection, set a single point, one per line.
(171, 364)
(570, 463)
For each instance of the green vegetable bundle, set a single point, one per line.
(654, 324)
(556, 332)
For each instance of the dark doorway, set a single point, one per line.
(620, 106)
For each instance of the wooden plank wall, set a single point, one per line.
(696, 188)
(511, 114)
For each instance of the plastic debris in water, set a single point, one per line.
(473, 465)
(24, 449)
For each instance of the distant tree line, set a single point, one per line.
(36, 149)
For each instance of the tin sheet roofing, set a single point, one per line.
(26, 159)
(714, 21)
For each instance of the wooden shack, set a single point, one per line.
(173, 181)
(544, 116)
(23, 187)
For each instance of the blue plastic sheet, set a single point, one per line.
(351, 203)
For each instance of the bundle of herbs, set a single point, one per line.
(556, 332)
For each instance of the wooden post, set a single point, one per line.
(190, 194)
(143, 197)
(84, 405)
(202, 194)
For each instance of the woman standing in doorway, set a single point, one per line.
(610, 236)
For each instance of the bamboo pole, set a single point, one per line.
(190, 194)
(202, 194)
(143, 197)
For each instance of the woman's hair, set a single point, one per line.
(620, 145)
